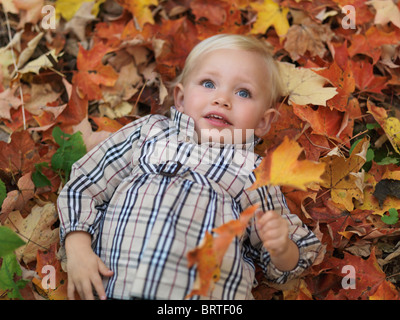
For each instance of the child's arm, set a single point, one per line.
(84, 267)
(283, 254)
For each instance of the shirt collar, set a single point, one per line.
(185, 126)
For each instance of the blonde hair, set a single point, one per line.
(240, 42)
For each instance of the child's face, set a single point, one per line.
(226, 94)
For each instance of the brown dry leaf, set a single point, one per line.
(35, 230)
(309, 36)
(8, 101)
(386, 11)
(41, 95)
(17, 199)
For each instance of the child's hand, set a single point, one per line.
(84, 267)
(273, 231)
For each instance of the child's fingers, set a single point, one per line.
(71, 290)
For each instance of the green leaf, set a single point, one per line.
(71, 149)
(9, 269)
(372, 126)
(9, 241)
(392, 218)
(3, 192)
(38, 178)
(387, 160)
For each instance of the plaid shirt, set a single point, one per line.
(148, 194)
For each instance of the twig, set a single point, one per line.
(16, 69)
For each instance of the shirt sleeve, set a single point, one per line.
(93, 180)
(271, 198)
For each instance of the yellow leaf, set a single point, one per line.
(342, 175)
(140, 10)
(390, 125)
(303, 86)
(281, 168)
(270, 14)
(68, 8)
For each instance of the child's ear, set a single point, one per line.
(265, 123)
(179, 97)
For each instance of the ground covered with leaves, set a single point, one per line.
(66, 84)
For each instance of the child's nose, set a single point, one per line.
(222, 102)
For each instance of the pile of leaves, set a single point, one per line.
(70, 79)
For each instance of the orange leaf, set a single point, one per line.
(344, 82)
(92, 72)
(47, 261)
(209, 254)
(281, 168)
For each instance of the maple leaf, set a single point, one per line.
(20, 155)
(303, 86)
(365, 79)
(342, 175)
(287, 124)
(270, 14)
(140, 10)
(92, 72)
(368, 274)
(370, 43)
(209, 254)
(336, 218)
(308, 36)
(390, 125)
(379, 201)
(8, 100)
(281, 167)
(17, 199)
(216, 11)
(35, 229)
(67, 8)
(57, 282)
(325, 121)
(343, 80)
(386, 11)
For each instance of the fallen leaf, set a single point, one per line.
(92, 72)
(269, 13)
(390, 125)
(344, 82)
(386, 11)
(49, 266)
(303, 86)
(308, 36)
(17, 199)
(342, 175)
(140, 10)
(281, 167)
(35, 230)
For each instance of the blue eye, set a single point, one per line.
(244, 93)
(208, 84)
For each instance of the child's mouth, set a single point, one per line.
(217, 120)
